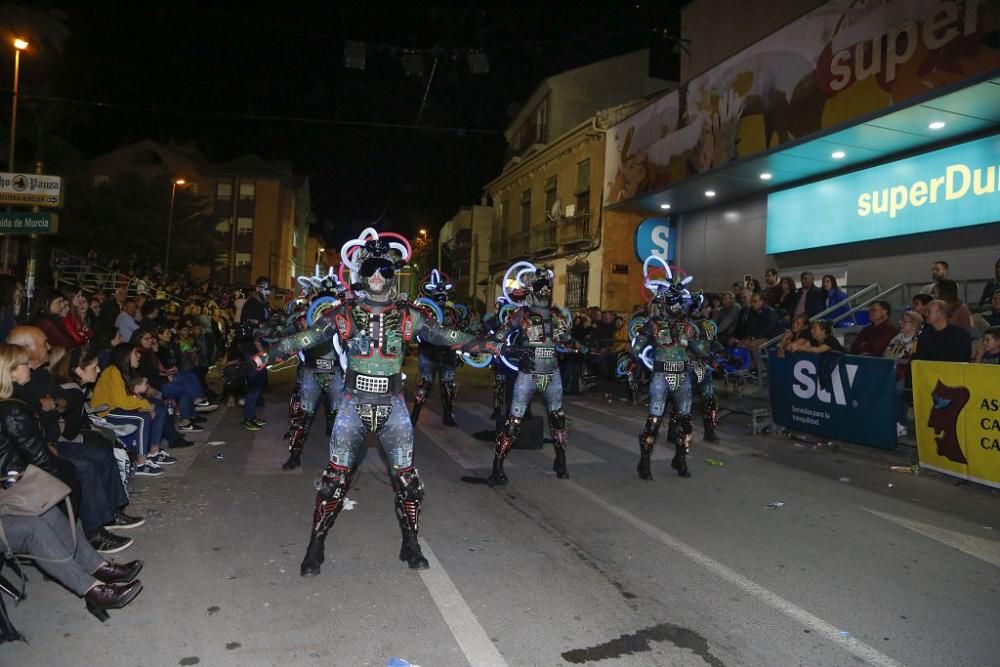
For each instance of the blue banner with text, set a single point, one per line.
(837, 396)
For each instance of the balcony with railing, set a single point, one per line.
(543, 240)
(574, 230)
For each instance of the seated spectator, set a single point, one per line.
(772, 288)
(992, 316)
(760, 325)
(727, 317)
(11, 296)
(78, 321)
(150, 321)
(822, 338)
(900, 349)
(786, 297)
(48, 316)
(125, 323)
(795, 338)
(70, 560)
(989, 351)
(125, 408)
(903, 343)
(959, 313)
(110, 309)
(940, 340)
(939, 271)
(170, 384)
(581, 328)
(991, 288)
(809, 299)
(834, 295)
(919, 302)
(874, 338)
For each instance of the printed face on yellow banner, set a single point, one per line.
(957, 413)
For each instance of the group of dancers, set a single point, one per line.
(351, 330)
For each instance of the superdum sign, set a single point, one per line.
(656, 237)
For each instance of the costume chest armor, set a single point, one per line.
(375, 340)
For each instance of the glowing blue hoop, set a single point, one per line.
(621, 367)
(436, 309)
(477, 360)
(645, 358)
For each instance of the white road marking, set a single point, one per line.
(977, 547)
(466, 630)
(465, 450)
(574, 454)
(863, 651)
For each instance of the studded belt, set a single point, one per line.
(373, 384)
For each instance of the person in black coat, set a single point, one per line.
(810, 299)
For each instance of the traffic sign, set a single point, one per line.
(30, 189)
(29, 223)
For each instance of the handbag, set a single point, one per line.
(35, 493)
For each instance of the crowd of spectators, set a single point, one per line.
(96, 388)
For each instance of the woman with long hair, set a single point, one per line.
(958, 311)
(786, 296)
(48, 316)
(834, 295)
(124, 407)
(78, 320)
(172, 385)
(823, 340)
(69, 558)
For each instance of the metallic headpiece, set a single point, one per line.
(524, 278)
(436, 286)
(371, 251)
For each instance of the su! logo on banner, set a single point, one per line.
(806, 384)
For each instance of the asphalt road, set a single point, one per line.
(859, 566)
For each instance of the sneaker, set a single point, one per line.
(107, 543)
(901, 431)
(189, 428)
(207, 407)
(257, 420)
(123, 521)
(250, 425)
(242, 402)
(161, 458)
(148, 469)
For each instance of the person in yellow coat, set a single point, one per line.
(124, 406)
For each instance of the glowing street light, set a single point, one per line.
(19, 45)
(170, 221)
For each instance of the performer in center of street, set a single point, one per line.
(373, 326)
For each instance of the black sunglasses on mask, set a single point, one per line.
(385, 267)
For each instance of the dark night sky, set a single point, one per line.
(218, 62)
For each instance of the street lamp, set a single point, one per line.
(19, 45)
(319, 254)
(170, 222)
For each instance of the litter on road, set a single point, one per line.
(776, 504)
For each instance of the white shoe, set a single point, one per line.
(901, 431)
(242, 401)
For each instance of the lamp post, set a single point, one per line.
(19, 45)
(170, 223)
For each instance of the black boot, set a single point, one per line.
(710, 435)
(314, 555)
(497, 477)
(330, 493)
(294, 460)
(559, 465)
(448, 391)
(646, 441)
(711, 418)
(409, 496)
(679, 462)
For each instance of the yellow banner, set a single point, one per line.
(957, 414)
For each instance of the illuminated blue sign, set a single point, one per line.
(944, 189)
(655, 236)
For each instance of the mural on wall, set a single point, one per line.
(842, 60)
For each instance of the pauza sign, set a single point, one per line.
(656, 237)
(835, 396)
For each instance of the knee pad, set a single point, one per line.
(333, 484)
(409, 486)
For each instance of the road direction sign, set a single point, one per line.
(30, 189)
(29, 223)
